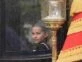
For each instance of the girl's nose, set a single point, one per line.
(35, 36)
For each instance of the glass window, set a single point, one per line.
(17, 20)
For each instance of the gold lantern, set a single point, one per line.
(54, 21)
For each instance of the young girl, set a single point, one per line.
(40, 35)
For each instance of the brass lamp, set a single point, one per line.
(54, 21)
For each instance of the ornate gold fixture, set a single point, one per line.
(54, 21)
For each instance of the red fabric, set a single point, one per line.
(77, 16)
(73, 40)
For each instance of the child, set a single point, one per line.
(40, 35)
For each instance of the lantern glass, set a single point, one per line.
(57, 9)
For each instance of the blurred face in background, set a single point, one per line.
(38, 34)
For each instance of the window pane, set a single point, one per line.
(17, 20)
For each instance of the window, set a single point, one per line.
(17, 18)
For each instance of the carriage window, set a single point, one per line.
(22, 31)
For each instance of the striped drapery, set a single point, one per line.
(72, 48)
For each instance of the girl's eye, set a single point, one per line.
(38, 33)
(32, 33)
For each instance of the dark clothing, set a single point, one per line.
(14, 42)
(42, 48)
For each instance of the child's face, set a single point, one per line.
(38, 34)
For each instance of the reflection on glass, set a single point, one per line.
(20, 16)
(17, 44)
(55, 10)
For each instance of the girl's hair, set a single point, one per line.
(42, 26)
